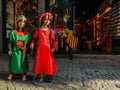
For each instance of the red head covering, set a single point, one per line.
(46, 14)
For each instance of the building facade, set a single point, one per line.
(10, 9)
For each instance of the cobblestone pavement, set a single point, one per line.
(81, 73)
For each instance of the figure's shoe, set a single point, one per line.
(49, 78)
(24, 78)
(35, 77)
(41, 79)
(10, 77)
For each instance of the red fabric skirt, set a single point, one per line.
(44, 60)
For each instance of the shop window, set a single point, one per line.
(10, 14)
(29, 8)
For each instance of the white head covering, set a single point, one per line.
(22, 18)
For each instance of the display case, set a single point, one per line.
(106, 42)
(115, 27)
(101, 30)
(97, 30)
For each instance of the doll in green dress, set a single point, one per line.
(19, 38)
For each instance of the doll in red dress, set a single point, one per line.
(44, 43)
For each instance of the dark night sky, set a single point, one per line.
(90, 7)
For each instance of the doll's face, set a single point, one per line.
(21, 24)
(46, 20)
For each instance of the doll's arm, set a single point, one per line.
(10, 48)
(34, 39)
(10, 43)
(53, 41)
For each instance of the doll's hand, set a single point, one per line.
(9, 52)
(31, 46)
(52, 50)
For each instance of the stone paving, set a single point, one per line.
(81, 73)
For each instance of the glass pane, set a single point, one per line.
(10, 15)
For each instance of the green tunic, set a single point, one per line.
(18, 61)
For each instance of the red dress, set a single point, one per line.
(44, 62)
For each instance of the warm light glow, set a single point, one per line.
(106, 10)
